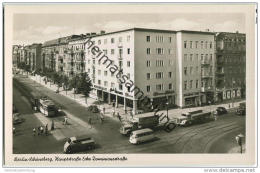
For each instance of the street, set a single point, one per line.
(198, 138)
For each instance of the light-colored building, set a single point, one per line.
(163, 65)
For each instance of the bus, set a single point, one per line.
(47, 107)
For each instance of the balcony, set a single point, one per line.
(205, 62)
(206, 89)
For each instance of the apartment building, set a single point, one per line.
(195, 68)
(164, 65)
(54, 53)
(230, 65)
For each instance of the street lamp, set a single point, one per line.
(239, 141)
(167, 109)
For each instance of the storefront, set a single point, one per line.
(191, 99)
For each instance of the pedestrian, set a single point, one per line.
(131, 114)
(104, 110)
(41, 128)
(34, 131)
(65, 120)
(215, 117)
(101, 119)
(89, 121)
(113, 113)
(119, 117)
(46, 129)
(52, 125)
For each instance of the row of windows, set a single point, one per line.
(113, 40)
(203, 57)
(159, 51)
(196, 44)
(112, 51)
(159, 87)
(128, 63)
(191, 84)
(158, 75)
(158, 39)
(158, 63)
(191, 71)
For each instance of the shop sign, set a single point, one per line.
(228, 94)
(224, 96)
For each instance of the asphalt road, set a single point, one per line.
(194, 139)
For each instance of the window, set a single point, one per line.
(210, 58)
(191, 57)
(148, 88)
(99, 72)
(185, 44)
(196, 44)
(112, 85)
(120, 51)
(128, 75)
(99, 82)
(159, 51)
(191, 44)
(197, 57)
(148, 51)
(105, 83)
(170, 74)
(191, 70)
(148, 39)
(105, 73)
(148, 63)
(128, 63)
(202, 57)
(210, 45)
(159, 39)
(159, 87)
(201, 44)
(105, 51)
(170, 86)
(112, 40)
(99, 41)
(170, 51)
(185, 70)
(206, 45)
(105, 41)
(185, 85)
(191, 84)
(120, 39)
(159, 75)
(159, 63)
(112, 51)
(128, 38)
(185, 57)
(197, 69)
(148, 76)
(197, 83)
(170, 39)
(120, 87)
(128, 51)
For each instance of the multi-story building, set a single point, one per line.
(164, 65)
(34, 56)
(230, 65)
(15, 54)
(195, 68)
(54, 52)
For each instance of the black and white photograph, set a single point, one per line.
(128, 81)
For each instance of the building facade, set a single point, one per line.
(230, 65)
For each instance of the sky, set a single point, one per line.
(38, 28)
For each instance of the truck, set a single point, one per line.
(146, 121)
(194, 117)
(241, 110)
(77, 144)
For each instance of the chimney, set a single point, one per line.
(102, 32)
(93, 33)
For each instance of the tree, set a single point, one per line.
(65, 81)
(74, 83)
(85, 85)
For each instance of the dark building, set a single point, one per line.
(230, 65)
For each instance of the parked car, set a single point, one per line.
(241, 109)
(220, 111)
(77, 144)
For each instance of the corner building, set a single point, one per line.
(164, 65)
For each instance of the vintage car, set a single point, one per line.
(77, 144)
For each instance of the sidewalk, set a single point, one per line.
(79, 98)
